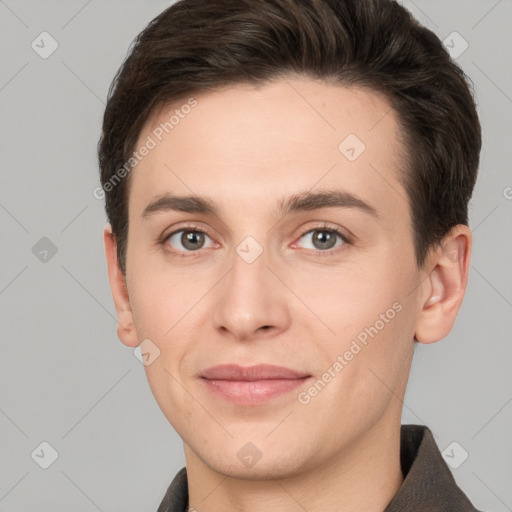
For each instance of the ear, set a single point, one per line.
(445, 286)
(126, 331)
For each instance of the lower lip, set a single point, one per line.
(252, 392)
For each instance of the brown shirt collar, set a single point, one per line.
(428, 482)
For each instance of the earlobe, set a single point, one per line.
(126, 331)
(444, 287)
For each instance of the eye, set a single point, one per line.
(323, 239)
(191, 240)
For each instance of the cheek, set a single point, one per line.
(378, 358)
(346, 299)
(170, 396)
(161, 299)
(371, 324)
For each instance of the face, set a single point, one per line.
(294, 249)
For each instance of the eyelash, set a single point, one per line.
(323, 227)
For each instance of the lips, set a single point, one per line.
(251, 385)
(251, 373)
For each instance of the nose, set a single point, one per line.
(251, 302)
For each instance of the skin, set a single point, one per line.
(295, 305)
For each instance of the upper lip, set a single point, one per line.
(251, 373)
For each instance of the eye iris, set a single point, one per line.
(324, 239)
(192, 239)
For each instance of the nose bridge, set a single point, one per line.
(248, 279)
(249, 297)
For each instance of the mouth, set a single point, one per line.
(251, 385)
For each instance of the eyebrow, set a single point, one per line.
(304, 201)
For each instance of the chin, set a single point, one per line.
(253, 461)
(261, 471)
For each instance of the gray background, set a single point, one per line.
(65, 377)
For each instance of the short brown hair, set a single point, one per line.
(198, 45)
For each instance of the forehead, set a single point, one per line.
(246, 145)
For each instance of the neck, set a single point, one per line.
(363, 477)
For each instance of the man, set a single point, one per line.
(287, 186)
